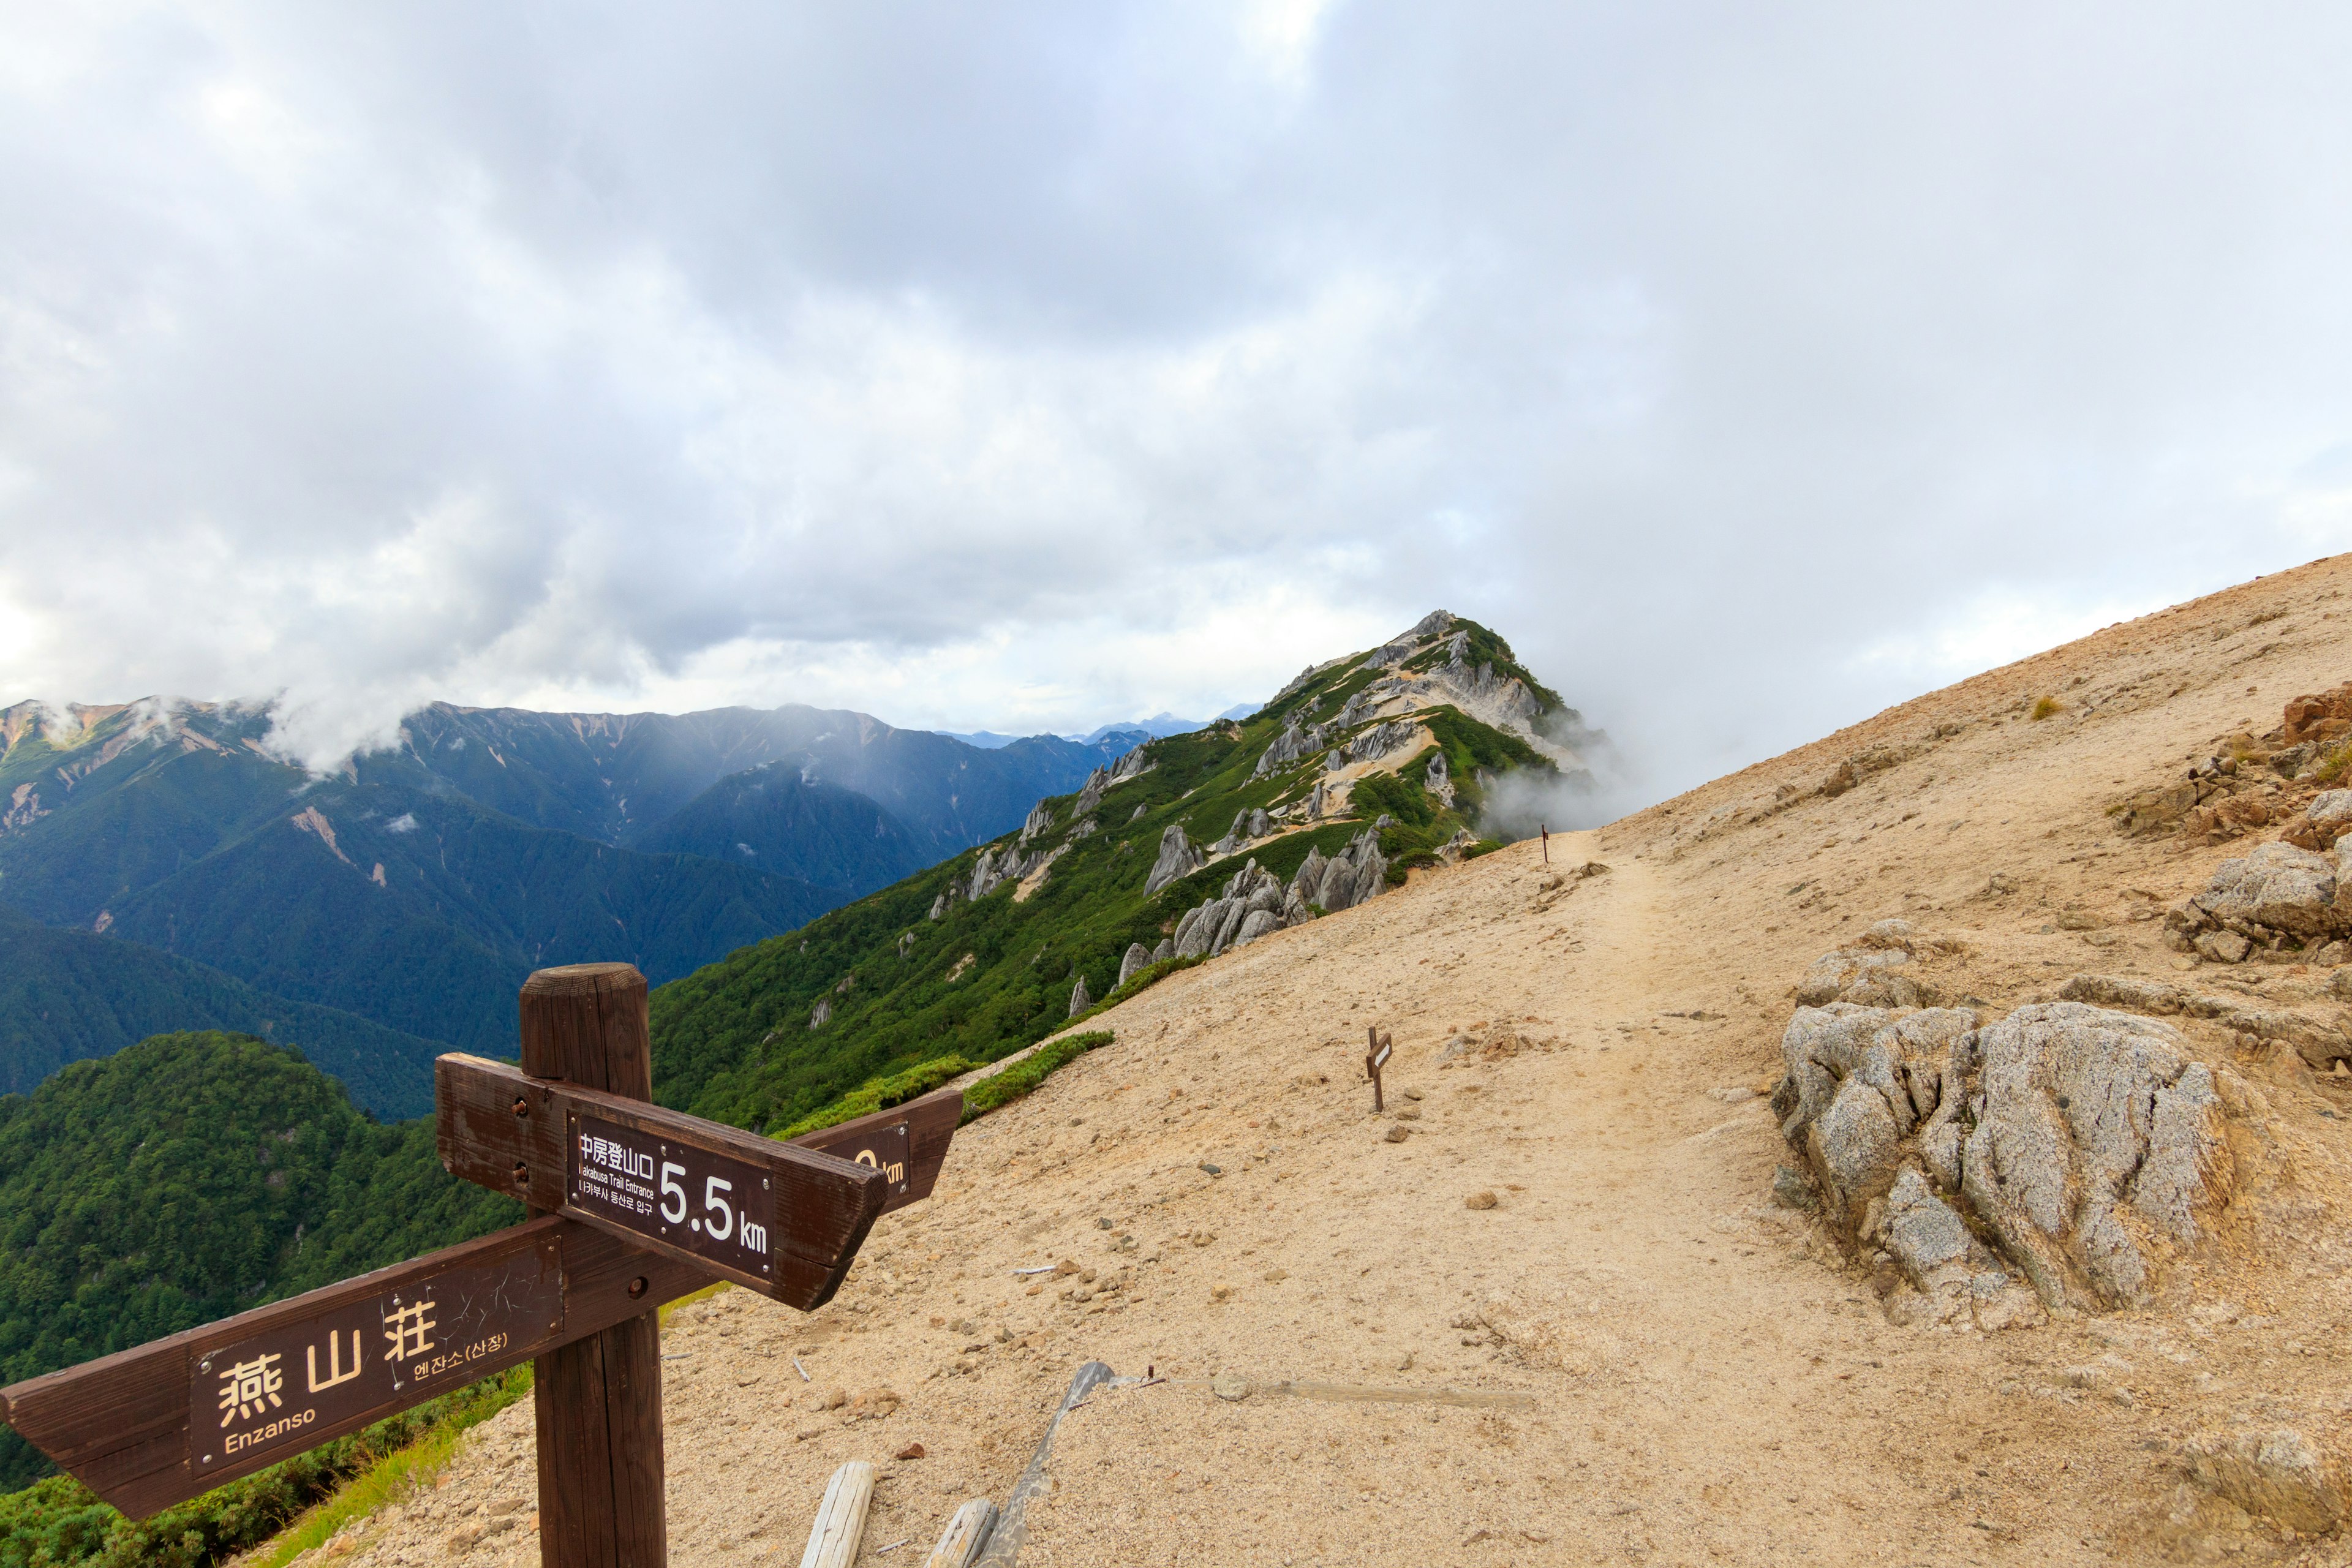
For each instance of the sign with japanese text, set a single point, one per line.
(276, 1390)
(715, 1206)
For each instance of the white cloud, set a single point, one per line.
(1058, 364)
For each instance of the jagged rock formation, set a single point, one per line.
(1255, 903)
(1178, 857)
(1381, 739)
(2081, 1142)
(1080, 999)
(1133, 765)
(1293, 745)
(1040, 819)
(1356, 874)
(1438, 779)
(823, 1011)
(1090, 795)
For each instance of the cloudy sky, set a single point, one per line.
(1029, 365)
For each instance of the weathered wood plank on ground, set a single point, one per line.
(840, 1518)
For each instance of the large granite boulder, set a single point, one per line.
(2073, 1145)
(1137, 958)
(2278, 887)
(2098, 1141)
(1178, 857)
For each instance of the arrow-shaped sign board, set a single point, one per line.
(782, 1219)
(166, 1421)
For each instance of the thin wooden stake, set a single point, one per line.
(966, 1535)
(840, 1518)
(598, 1399)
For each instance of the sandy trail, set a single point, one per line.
(1706, 1378)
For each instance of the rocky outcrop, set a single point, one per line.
(2280, 899)
(2320, 1040)
(997, 865)
(1090, 795)
(2327, 818)
(1249, 825)
(1396, 652)
(1255, 902)
(1165, 951)
(1040, 819)
(1138, 958)
(1133, 765)
(1438, 779)
(1356, 873)
(1381, 739)
(2082, 1144)
(1211, 928)
(2278, 887)
(1178, 857)
(823, 1012)
(1872, 978)
(1080, 999)
(1293, 745)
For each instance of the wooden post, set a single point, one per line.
(598, 1399)
(1545, 828)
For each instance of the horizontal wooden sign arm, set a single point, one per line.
(782, 1219)
(930, 1124)
(161, 1422)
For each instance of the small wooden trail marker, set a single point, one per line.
(574, 1289)
(1377, 1051)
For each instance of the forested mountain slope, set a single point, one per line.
(66, 996)
(417, 886)
(619, 777)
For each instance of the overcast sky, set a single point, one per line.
(1029, 366)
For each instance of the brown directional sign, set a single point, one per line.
(154, 1426)
(1376, 1056)
(908, 1143)
(782, 1219)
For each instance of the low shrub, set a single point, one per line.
(1025, 1075)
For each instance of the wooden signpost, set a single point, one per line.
(1378, 1049)
(632, 1205)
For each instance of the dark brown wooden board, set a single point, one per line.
(519, 1134)
(930, 1126)
(122, 1424)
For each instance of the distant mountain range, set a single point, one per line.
(1142, 730)
(390, 911)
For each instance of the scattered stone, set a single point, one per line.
(2278, 887)
(1479, 1200)
(2277, 1475)
(1870, 977)
(1227, 1387)
(2224, 946)
(1737, 1095)
(1397, 1133)
(913, 1451)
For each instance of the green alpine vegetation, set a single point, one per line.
(1383, 759)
